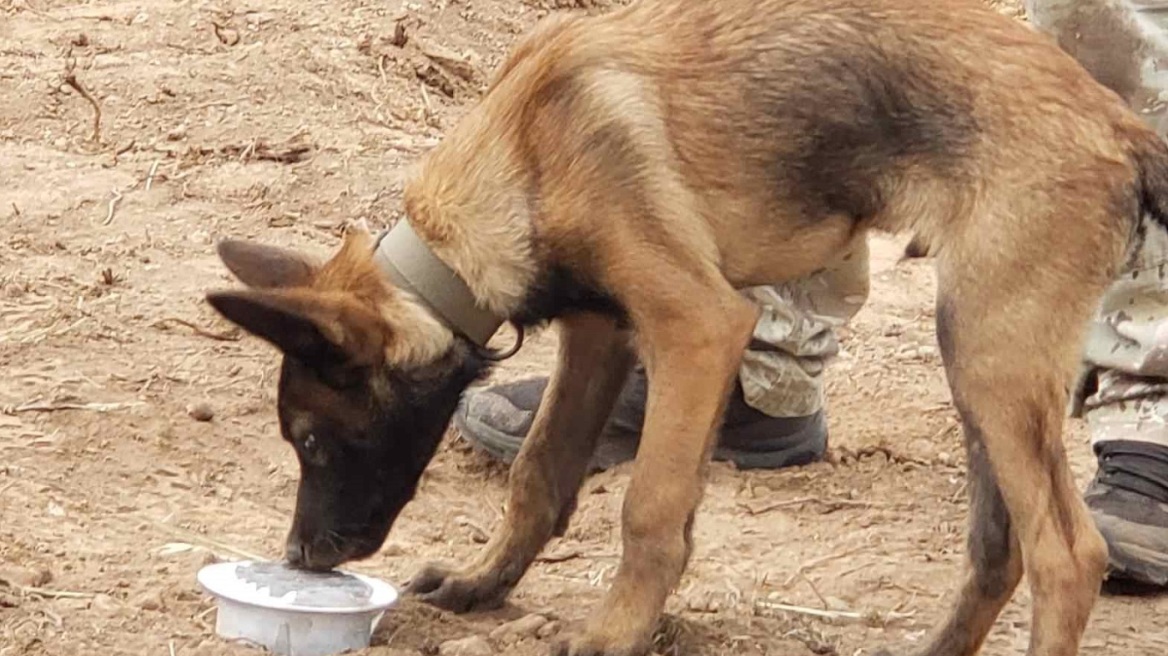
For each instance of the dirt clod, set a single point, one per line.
(520, 629)
(548, 630)
(104, 603)
(201, 412)
(469, 646)
(25, 577)
(149, 600)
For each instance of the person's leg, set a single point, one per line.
(774, 417)
(1124, 44)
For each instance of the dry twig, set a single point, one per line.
(811, 584)
(230, 336)
(559, 557)
(816, 562)
(113, 205)
(57, 407)
(72, 81)
(150, 176)
(830, 505)
(220, 33)
(880, 618)
(54, 594)
(207, 543)
(258, 150)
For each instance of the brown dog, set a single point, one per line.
(623, 176)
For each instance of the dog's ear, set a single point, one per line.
(323, 331)
(266, 267)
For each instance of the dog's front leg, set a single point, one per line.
(594, 361)
(692, 354)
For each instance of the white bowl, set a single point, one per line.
(293, 612)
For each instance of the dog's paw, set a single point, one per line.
(457, 592)
(598, 645)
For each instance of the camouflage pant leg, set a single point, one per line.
(1124, 44)
(1128, 349)
(782, 374)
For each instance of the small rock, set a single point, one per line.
(524, 627)
(393, 550)
(205, 648)
(922, 449)
(469, 646)
(201, 412)
(907, 352)
(450, 60)
(944, 458)
(548, 630)
(72, 605)
(835, 603)
(25, 577)
(150, 600)
(105, 604)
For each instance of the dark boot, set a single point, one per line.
(497, 419)
(1129, 501)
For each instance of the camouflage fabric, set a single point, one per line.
(1124, 44)
(782, 373)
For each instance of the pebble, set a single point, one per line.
(105, 603)
(201, 412)
(548, 630)
(151, 600)
(25, 577)
(524, 627)
(470, 646)
(922, 449)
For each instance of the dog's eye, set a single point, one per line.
(309, 443)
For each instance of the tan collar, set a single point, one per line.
(410, 264)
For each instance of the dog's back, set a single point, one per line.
(751, 123)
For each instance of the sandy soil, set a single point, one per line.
(281, 120)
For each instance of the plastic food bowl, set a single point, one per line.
(293, 612)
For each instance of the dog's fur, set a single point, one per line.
(625, 174)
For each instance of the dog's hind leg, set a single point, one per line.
(995, 556)
(1009, 323)
(594, 360)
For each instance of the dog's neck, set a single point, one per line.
(412, 266)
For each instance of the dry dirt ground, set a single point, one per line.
(281, 120)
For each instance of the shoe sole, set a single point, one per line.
(1131, 561)
(800, 448)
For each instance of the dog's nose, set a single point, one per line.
(297, 552)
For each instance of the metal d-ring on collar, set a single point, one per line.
(409, 264)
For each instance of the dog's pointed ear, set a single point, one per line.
(322, 331)
(266, 267)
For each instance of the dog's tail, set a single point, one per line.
(916, 248)
(1151, 157)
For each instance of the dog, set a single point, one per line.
(622, 177)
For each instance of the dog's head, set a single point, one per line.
(368, 384)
